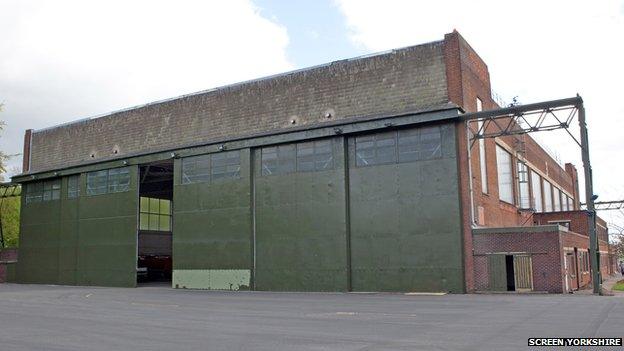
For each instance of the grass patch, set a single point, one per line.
(619, 286)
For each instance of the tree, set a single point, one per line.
(10, 212)
(618, 248)
(9, 207)
(3, 156)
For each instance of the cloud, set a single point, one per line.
(69, 59)
(537, 50)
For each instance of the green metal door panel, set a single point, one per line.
(301, 228)
(497, 272)
(107, 229)
(212, 227)
(90, 240)
(39, 235)
(68, 239)
(405, 223)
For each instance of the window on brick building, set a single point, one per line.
(505, 178)
(482, 160)
(536, 191)
(557, 199)
(548, 200)
(568, 203)
(524, 200)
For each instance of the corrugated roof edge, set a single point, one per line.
(233, 85)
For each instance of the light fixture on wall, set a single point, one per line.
(222, 147)
(125, 163)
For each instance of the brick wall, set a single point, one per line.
(7, 257)
(403, 80)
(468, 79)
(541, 242)
(578, 222)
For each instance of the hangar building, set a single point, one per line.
(349, 176)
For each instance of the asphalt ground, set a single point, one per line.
(41, 317)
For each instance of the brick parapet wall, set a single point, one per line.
(404, 80)
(579, 222)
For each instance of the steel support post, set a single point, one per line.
(589, 199)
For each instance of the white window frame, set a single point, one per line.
(504, 167)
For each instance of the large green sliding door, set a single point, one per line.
(108, 232)
(80, 234)
(40, 230)
(212, 221)
(404, 206)
(300, 237)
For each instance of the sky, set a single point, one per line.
(65, 60)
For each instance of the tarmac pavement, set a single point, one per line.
(40, 317)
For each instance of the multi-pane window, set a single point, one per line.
(51, 190)
(557, 199)
(73, 186)
(155, 214)
(536, 191)
(315, 156)
(280, 159)
(211, 167)
(524, 199)
(308, 156)
(118, 180)
(225, 165)
(419, 144)
(568, 203)
(407, 145)
(548, 203)
(376, 149)
(108, 181)
(43, 191)
(505, 178)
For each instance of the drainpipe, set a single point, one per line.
(472, 209)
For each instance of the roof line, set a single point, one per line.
(234, 85)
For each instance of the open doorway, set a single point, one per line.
(154, 235)
(509, 265)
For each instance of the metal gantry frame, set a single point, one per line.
(7, 190)
(544, 116)
(607, 205)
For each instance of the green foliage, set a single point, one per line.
(619, 286)
(10, 211)
(618, 247)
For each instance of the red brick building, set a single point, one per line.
(525, 228)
